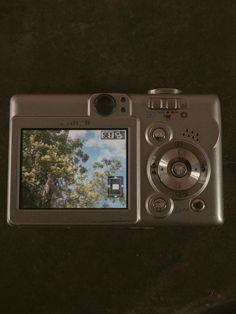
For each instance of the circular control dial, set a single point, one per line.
(178, 169)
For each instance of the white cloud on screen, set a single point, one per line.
(73, 134)
(109, 148)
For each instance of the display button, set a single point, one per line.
(159, 206)
(179, 169)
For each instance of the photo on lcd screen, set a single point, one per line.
(73, 168)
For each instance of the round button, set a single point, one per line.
(179, 169)
(159, 206)
(198, 205)
(159, 134)
(104, 104)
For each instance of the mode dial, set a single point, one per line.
(157, 91)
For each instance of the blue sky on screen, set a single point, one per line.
(98, 148)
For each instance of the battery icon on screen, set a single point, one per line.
(115, 186)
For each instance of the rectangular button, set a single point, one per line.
(166, 103)
(171, 103)
(154, 104)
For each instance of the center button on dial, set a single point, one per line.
(179, 169)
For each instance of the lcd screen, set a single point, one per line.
(74, 169)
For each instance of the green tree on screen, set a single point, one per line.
(87, 192)
(54, 173)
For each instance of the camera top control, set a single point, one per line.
(157, 91)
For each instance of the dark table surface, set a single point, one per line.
(129, 46)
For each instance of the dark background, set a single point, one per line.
(69, 46)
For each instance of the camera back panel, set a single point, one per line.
(160, 159)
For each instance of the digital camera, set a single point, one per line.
(138, 160)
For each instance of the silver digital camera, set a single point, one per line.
(138, 160)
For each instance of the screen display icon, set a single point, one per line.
(115, 186)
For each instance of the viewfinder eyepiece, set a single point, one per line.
(104, 104)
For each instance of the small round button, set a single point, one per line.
(198, 205)
(179, 169)
(159, 134)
